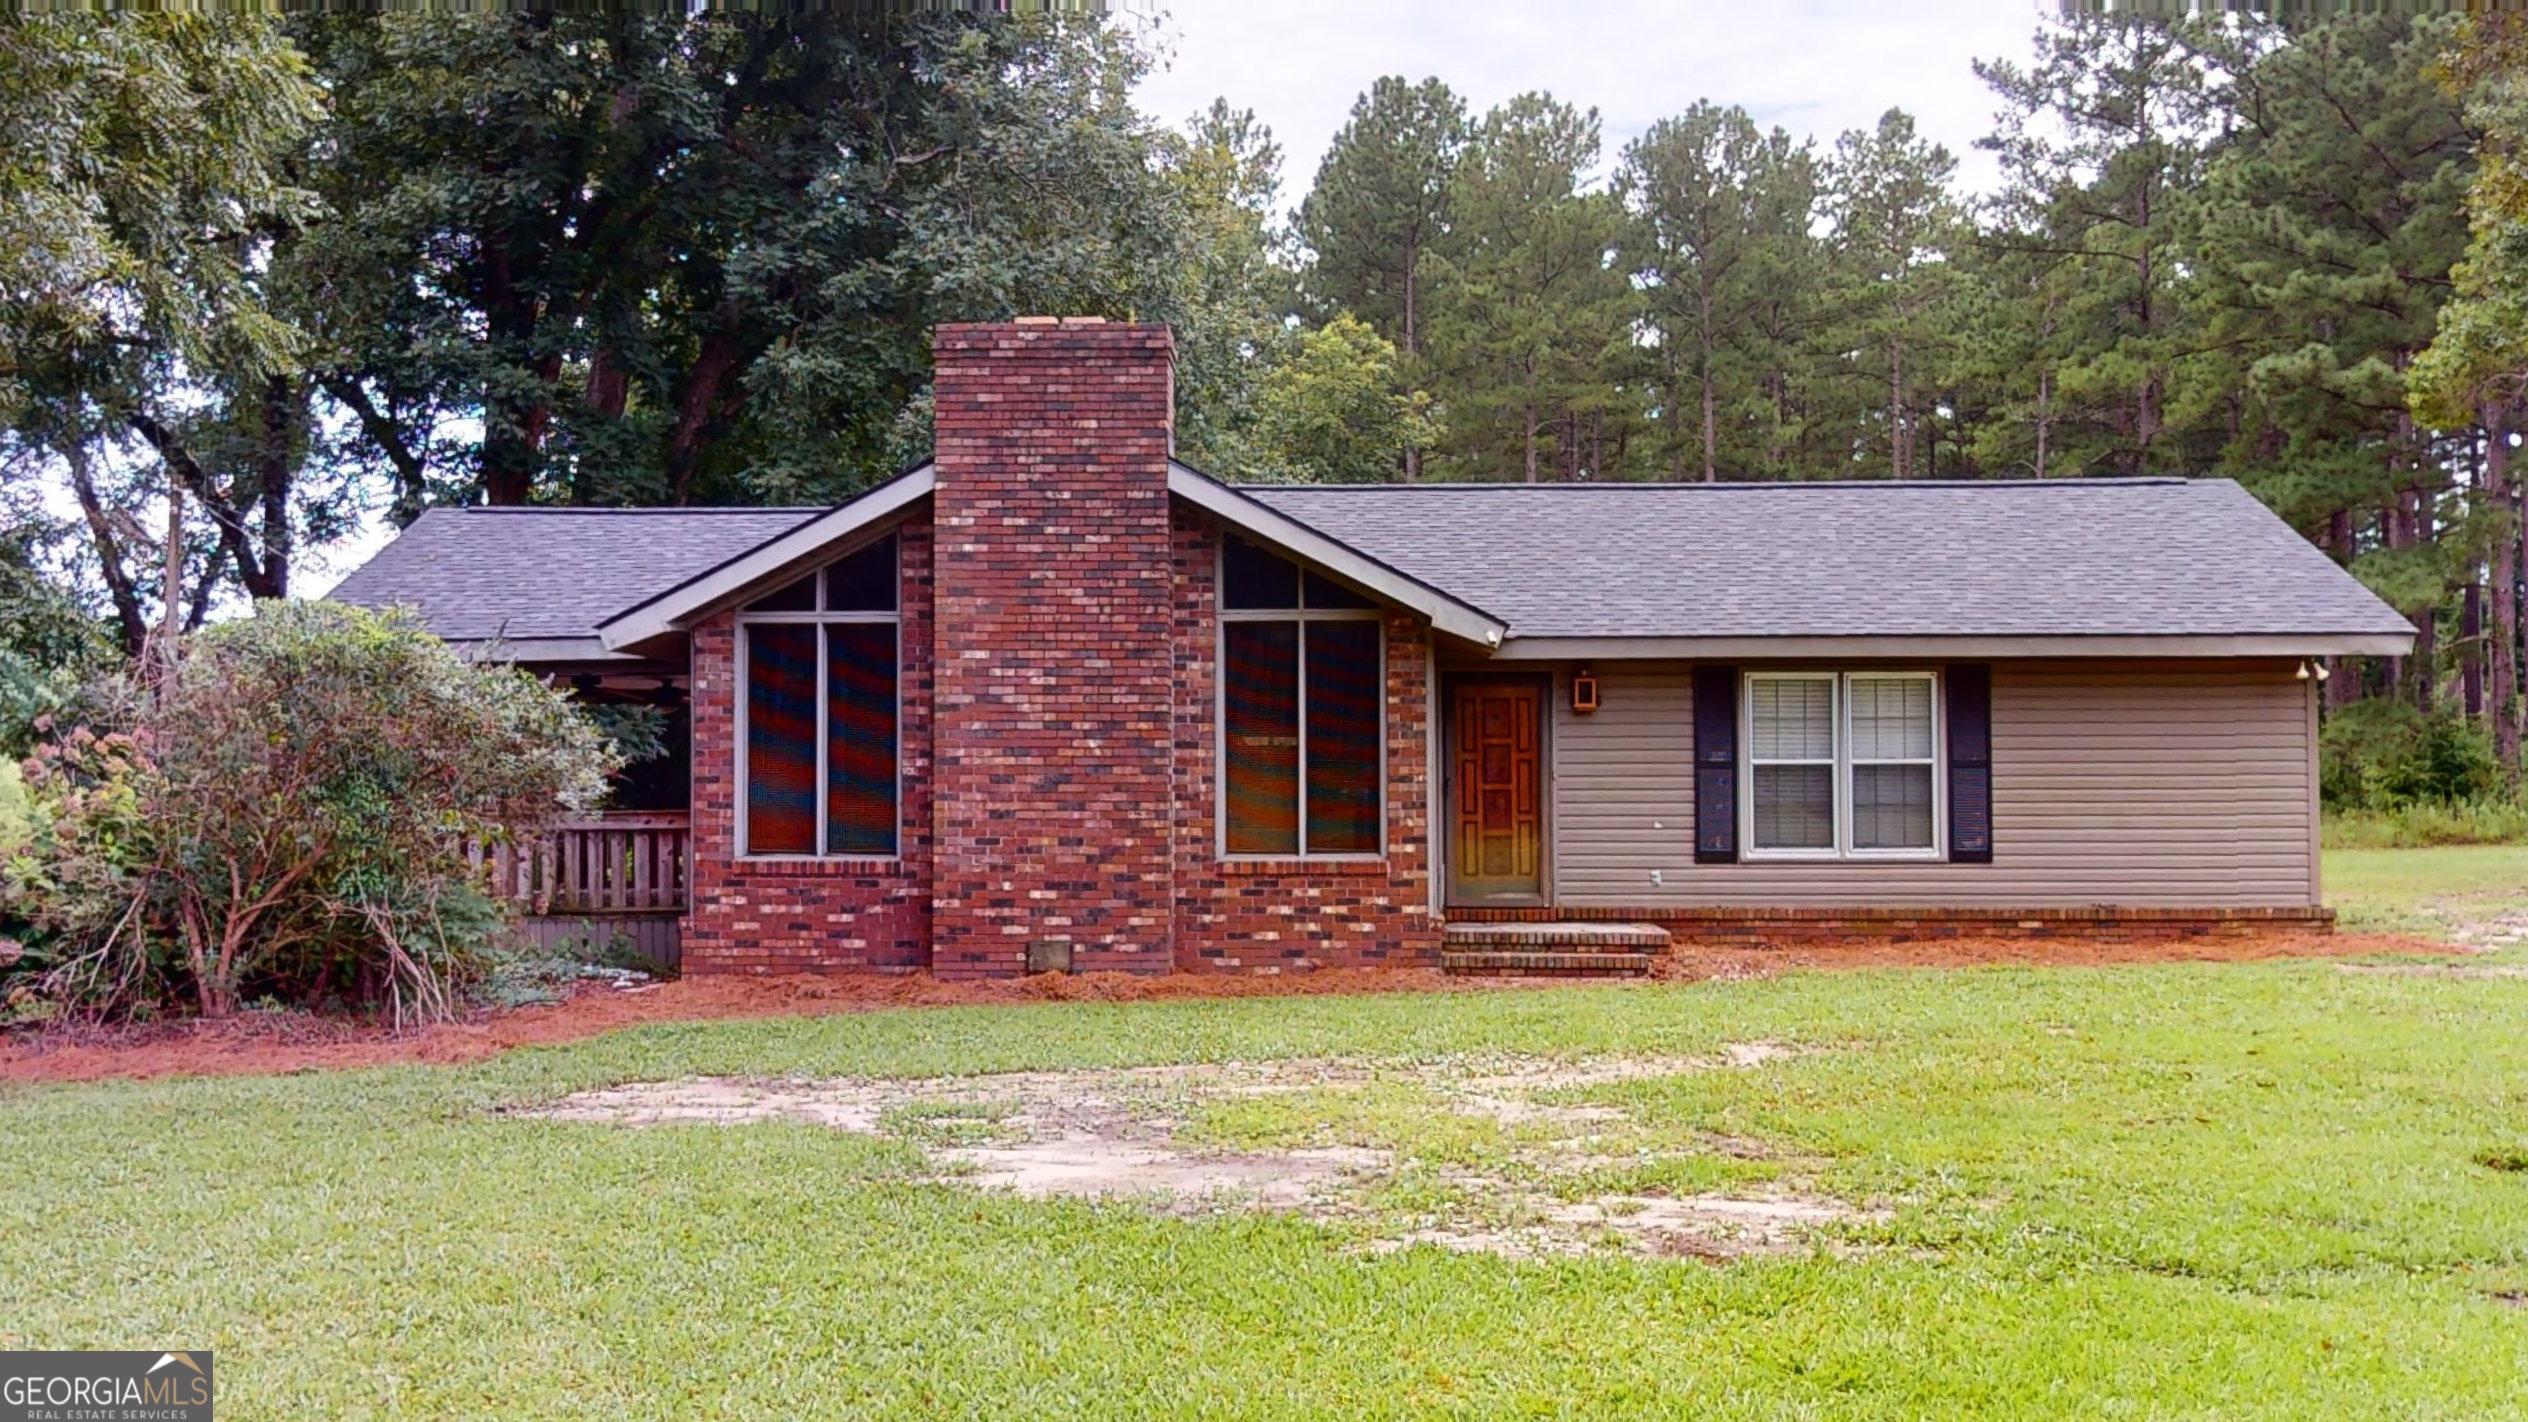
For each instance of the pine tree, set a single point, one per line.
(2099, 140)
(1719, 220)
(1529, 312)
(2329, 221)
(1380, 209)
(1894, 218)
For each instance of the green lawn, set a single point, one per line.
(2427, 890)
(2252, 1191)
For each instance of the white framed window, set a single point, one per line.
(819, 705)
(1841, 765)
(1302, 707)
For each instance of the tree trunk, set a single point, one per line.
(130, 627)
(1896, 451)
(160, 660)
(2044, 416)
(273, 474)
(2501, 662)
(2392, 537)
(1711, 428)
(704, 384)
(1412, 336)
(2471, 632)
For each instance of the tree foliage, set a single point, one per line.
(1337, 410)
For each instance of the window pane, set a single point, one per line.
(1793, 719)
(1795, 807)
(798, 597)
(1260, 674)
(1891, 807)
(1343, 701)
(1252, 578)
(1891, 719)
(781, 740)
(863, 582)
(860, 739)
(1325, 592)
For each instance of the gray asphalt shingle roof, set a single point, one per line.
(2135, 557)
(2140, 557)
(518, 574)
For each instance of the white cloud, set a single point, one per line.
(1814, 67)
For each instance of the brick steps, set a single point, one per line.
(1559, 950)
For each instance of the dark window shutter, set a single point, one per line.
(1970, 764)
(1715, 765)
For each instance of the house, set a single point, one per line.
(1055, 700)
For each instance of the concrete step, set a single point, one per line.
(1565, 949)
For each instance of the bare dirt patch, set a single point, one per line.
(266, 1043)
(1115, 1134)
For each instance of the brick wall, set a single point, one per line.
(1268, 916)
(1054, 650)
(825, 915)
(1059, 727)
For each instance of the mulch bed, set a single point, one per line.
(263, 1043)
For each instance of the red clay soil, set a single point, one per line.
(258, 1043)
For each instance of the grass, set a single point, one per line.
(2267, 1191)
(2426, 890)
(2274, 1190)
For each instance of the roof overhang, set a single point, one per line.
(1252, 518)
(673, 610)
(2296, 644)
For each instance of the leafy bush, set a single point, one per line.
(16, 826)
(2388, 755)
(286, 815)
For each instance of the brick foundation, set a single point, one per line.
(1758, 927)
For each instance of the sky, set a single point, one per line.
(1813, 67)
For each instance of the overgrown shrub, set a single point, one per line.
(285, 816)
(2387, 755)
(2499, 820)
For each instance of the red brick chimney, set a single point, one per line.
(1052, 647)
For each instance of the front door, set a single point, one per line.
(1497, 791)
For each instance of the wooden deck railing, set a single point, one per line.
(627, 864)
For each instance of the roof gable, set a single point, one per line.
(754, 569)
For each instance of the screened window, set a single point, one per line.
(1302, 710)
(820, 711)
(1843, 764)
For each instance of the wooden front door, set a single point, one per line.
(1497, 792)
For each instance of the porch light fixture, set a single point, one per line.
(1584, 692)
(2313, 671)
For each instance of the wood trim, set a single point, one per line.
(2317, 848)
(1297, 539)
(765, 564)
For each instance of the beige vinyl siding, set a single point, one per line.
(2141, 784)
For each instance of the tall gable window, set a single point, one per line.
(1302, 678)
(1842, 765)
(819, 666)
